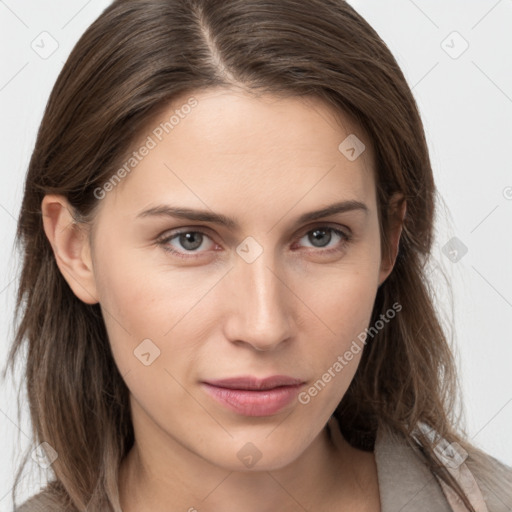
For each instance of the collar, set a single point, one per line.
(405, 482)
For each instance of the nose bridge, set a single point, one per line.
(262, 315)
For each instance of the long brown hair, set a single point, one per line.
(134, 59)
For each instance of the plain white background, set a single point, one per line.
(457, 57)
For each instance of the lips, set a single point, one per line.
(253, 383)
(251, 396)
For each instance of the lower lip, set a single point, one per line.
(251, 402)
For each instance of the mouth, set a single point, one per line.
(250, 396)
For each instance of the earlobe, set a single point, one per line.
(70, 244)
(397, 212)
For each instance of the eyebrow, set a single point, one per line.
(228, 222)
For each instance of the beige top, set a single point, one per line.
(405, 482)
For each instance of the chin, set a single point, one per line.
(253, 456)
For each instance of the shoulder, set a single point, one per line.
(486, 481)
(405, 481)
(41, 502)
(494, 479)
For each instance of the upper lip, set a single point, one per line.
(250, 382)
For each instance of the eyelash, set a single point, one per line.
(164, 241)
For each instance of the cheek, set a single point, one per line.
(342, 296)
(149, 309)
(142, 290)
(343, 301)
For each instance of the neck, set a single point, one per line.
(171, 478)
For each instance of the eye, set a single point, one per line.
(321, 236)
(187, 241)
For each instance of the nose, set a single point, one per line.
(260, 305)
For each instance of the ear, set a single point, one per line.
(70, 244)
(396, 211)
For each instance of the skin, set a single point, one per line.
(263, 161)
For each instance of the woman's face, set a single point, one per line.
(244, 280)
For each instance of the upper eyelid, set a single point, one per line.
(207, 229)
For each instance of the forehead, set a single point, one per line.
(229, 147)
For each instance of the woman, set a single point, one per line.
(192, 342)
